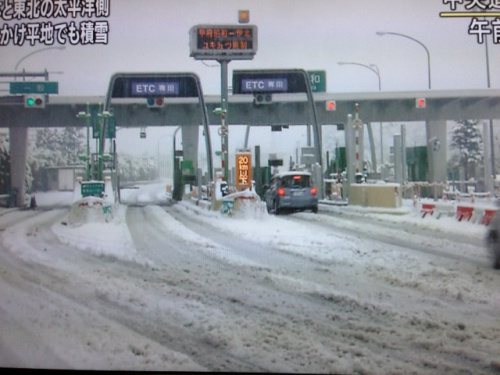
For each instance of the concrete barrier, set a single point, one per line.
(376, 195)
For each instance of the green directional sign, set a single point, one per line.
(41, 87)
(318, 80)
(94, 188)
(110, 128)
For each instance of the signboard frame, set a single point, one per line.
(295, 82)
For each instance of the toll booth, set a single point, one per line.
(188, 172)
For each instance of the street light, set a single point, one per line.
(86, 116)
(37, 51)
(372, 67)
(176, 194)
(382, 33)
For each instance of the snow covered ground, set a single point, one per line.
(334, 292)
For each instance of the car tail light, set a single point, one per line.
(280, 191)
(313, 190)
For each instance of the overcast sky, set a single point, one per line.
(152, 35)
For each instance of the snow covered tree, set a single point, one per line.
(467, 140)
(4, 165)
(55, 148)
(137, 168)
(72, 144)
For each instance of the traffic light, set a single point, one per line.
(34, 101)
(243, 16)
(155, 102)
(259, 99)
(420, 102)
(331, 105)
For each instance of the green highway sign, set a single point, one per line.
(41, 87)
(318, 80)
(110, 128)
(92, 188)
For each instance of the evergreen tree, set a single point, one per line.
(72, 144)
(54, 147)
(4, 165)
(467, 140)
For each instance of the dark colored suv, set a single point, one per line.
(291, 191)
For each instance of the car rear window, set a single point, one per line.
(296, 181)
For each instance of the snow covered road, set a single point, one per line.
(179, 288)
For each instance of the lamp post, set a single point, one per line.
(60, 48)
(176, 194)
(382, 33)
(86, 116)
(492, 176)
(372, 67)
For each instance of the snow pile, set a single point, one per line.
(146, 194)
(89, 210)
(93, 234)
(245, 204)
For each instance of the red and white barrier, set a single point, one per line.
(463, 212)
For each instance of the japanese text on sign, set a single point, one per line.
(243, 170)
(225, 38)
(223, 42)
(265, 84)
(488, 10)
(43, 31)
(155, 88)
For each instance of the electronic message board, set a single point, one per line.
(269, 81)
(223, 42)
(243, 173)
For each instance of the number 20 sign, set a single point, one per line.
(243, 169)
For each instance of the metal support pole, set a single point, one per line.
(224, 99)
(87, 124)
(398, 160)
(488, 172)
(403, 153)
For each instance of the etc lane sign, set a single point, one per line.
(264, 85)
(155, 88)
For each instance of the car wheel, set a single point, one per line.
(276, 209)
(315, 209)
(496, 264)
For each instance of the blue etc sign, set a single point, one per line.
(42, 22)
(264, 85)
(155, 88)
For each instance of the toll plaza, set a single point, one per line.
(132, 104)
